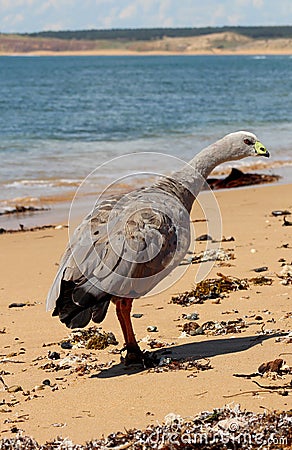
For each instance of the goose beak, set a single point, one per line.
(261, 149)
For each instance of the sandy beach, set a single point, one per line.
(89, 393)
(268, 51)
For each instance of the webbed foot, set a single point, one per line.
(136, 356)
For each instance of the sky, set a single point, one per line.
(21, 16)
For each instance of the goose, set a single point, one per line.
(128, 243)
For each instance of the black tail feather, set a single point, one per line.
(75, 316)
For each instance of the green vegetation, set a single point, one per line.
(148, 34)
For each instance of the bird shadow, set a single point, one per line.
(194, 350)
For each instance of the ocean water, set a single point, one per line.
(61, 117)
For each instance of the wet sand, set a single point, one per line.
(54, 209)
(81, 404)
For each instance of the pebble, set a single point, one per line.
(204, 237)
(54, 355)
(261, 269)
(164, 360)
(152, 329)
(17, 305)
(183, 335)
(280, 213)
(137, 316)
(228, 239)
(111, 339)
(193, 316)
(40, 387)
(66, 345)
(200, 330)
(217, 301)
(14, 388)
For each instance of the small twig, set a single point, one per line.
(248, 375)
(268, 409)
(3, 382)
(286, 223)
(241, 393)
(286, 386)
(200, 393)
(7, 360)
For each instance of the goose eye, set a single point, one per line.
(247, 142)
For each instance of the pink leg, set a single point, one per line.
(123, 310)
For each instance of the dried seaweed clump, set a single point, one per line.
(210, 289)
(81, 364)
(169, 364)
(217, 288)
(220, 429)
(261, 281)
(92, 338)
(271, 366)
(286, 339)
(215, 328)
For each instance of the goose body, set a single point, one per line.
(130, 242)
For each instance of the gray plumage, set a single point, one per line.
(128, 243)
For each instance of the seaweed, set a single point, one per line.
(210, 289)
(92, 338)
(261, 281)
(214, 288)
(223, 428)
(237, 178)
(169, 364)
(215, 328)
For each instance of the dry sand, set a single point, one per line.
(84, 407)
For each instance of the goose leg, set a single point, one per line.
(123, 310)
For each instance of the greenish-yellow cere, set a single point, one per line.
(260, 148)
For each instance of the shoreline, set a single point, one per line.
(55, 210)
(114, 52)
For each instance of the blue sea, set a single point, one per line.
(61, 117)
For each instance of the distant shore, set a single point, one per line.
(223, 43)
(115, 52)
